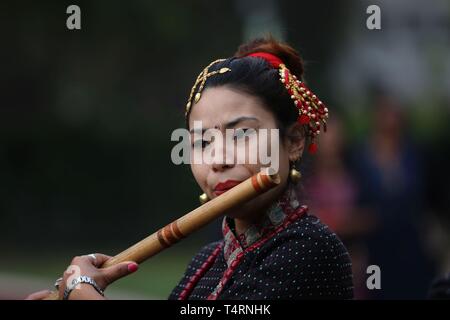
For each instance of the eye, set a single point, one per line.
(242, 132)
(202, 144)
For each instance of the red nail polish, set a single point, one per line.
(132, 267)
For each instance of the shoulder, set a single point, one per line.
(314, 234)
(308, 235)
(307, 259)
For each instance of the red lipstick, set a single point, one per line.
(222, 187)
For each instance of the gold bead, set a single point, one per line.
(295, 175)
(203, 198)
(197, 97)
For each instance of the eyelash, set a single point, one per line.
(242, 132)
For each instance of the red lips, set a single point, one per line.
(225, 186)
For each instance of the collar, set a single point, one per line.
(275, 216)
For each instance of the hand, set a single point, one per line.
(89, 265)
(40, 295)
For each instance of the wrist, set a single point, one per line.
(85, 292)
(83, 283)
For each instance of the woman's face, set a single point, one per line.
(224, 108)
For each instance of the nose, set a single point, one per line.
(220, 167)
(223, 161)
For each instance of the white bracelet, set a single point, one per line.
(79, 280)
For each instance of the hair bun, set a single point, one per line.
(269, 44)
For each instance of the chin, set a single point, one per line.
(245, 210)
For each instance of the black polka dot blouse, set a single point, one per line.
(291, 255)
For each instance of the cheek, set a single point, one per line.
(250, 169)
(283, 164)
(200, 173)
(284, 171)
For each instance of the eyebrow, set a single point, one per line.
(231, 123)
(240, 119)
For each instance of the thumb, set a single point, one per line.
(118, 271)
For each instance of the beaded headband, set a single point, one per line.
(201, 79)
(312, 113)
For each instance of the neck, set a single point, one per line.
(242, 224)
(255, 213)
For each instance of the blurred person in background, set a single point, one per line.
(333, 196)
(390, 177)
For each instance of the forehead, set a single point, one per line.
(219, 105)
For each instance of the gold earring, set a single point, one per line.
(294, 174)
(203, 198)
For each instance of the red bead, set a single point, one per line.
(312, 148)
(286, 75)
(199, 272)
(228, 273)
(303, 119)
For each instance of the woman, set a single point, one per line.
(272, 248)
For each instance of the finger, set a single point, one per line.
(95, 259)
(100, 259)
(57, 282)
(40, 295)
(118, 271)
(62, 287)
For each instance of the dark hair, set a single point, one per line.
(257, 77)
